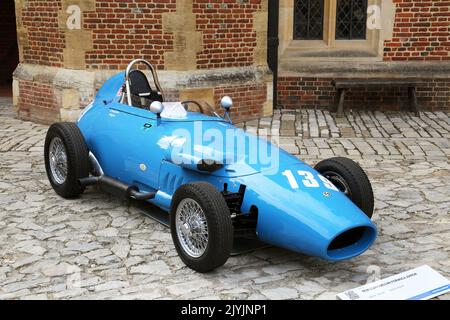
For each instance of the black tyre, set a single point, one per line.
(66, 159)
(351, 179)
(201, 226)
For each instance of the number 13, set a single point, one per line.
(308, 180)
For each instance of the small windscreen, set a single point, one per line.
(200, 106)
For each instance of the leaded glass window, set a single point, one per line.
(308, 19)
(351, 16)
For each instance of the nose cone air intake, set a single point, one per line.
(351, 243)
(311, 218)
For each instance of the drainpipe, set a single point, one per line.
(272, 46)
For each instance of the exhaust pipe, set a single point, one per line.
(117, 188)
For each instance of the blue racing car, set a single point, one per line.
(211, 178)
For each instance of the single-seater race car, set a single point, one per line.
(212, 178)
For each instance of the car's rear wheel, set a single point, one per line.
(351, 179)
(66, 159)
(201, 226)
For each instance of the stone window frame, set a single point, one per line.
(372, 46)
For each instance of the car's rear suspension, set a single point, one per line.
(234, 199)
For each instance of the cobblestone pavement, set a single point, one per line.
(97, 247)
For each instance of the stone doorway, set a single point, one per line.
(9, 52)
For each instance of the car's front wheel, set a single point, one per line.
(351, 179)
(66, 159)
(201, 226)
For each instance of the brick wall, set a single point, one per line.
(37, 102)
(8, 40)
(247, 100)
(125, 30)
(228, 35)
(421, 31)
(45, 39)
(114, 32)
(295, 92)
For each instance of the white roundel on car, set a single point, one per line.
(173, 110)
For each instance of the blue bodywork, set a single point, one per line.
(135, 147)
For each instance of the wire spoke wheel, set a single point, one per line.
(348, 176)
(201, 226)
(58, 160)
(338, 181)
(66, 158)
(192, 227)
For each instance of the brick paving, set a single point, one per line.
(97, 247)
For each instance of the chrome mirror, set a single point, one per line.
(226, 103)
(157, 108)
